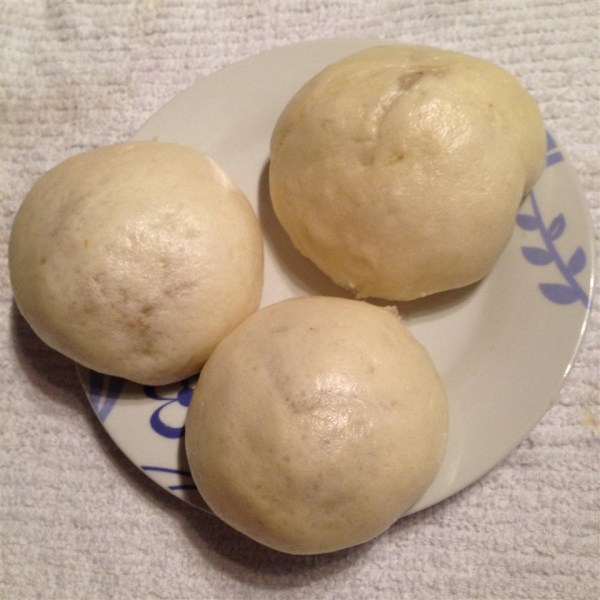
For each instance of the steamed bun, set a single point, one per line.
(399, 170)
(316, 424)
(136, 259)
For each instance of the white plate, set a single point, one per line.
(503, 347)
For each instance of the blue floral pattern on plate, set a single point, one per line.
(104, 392)
(182, 399)
(559, 293)
(179, 473)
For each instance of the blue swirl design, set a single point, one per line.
(183, 397)
(185, 486)
(104, 392)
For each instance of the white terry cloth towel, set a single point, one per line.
(77, 519)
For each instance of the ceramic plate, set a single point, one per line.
(503, 347)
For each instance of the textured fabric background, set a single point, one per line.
(77, 519)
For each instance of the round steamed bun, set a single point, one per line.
(316, 424)
(136, 259)
(399, 170)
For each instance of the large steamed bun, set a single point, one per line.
(399, 170)
(136, 259)
(316, 424)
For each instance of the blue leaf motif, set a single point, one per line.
(557, 227)
(554, 158)
(559, 293)
(550, 143)
(577, 261)
(537, 256)
(528, 222)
